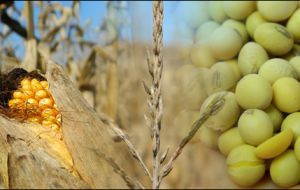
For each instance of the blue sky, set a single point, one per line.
(140, 14)
(95, 10)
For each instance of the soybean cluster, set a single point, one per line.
(247, 57)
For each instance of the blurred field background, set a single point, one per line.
(102, 46)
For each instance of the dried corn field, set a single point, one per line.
(123, 112)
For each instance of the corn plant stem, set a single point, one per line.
(30, 24)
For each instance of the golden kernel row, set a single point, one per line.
(33, 94)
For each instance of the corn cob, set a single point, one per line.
(33, 95)
(26, 96)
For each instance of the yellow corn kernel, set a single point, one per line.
(40, 94)
(48, 112)
(37, 87)
(50, 118)
(25, 82)
(58, 118)
(34, 82)
(46, 102)
(28, 94)
(55, 127)
(26, 87)
(44, 84)
(18, 95)
(35, 119)
(55, 107)
(15, 103)
(31, 103)
(47, 123)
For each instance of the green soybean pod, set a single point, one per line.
(238, 10)
(285, 170)
(276, 68)
(253, 21)
(255, 126)
(251, 57)
(276, 11)
(244, 167)
(293, 25)
(275, 38)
